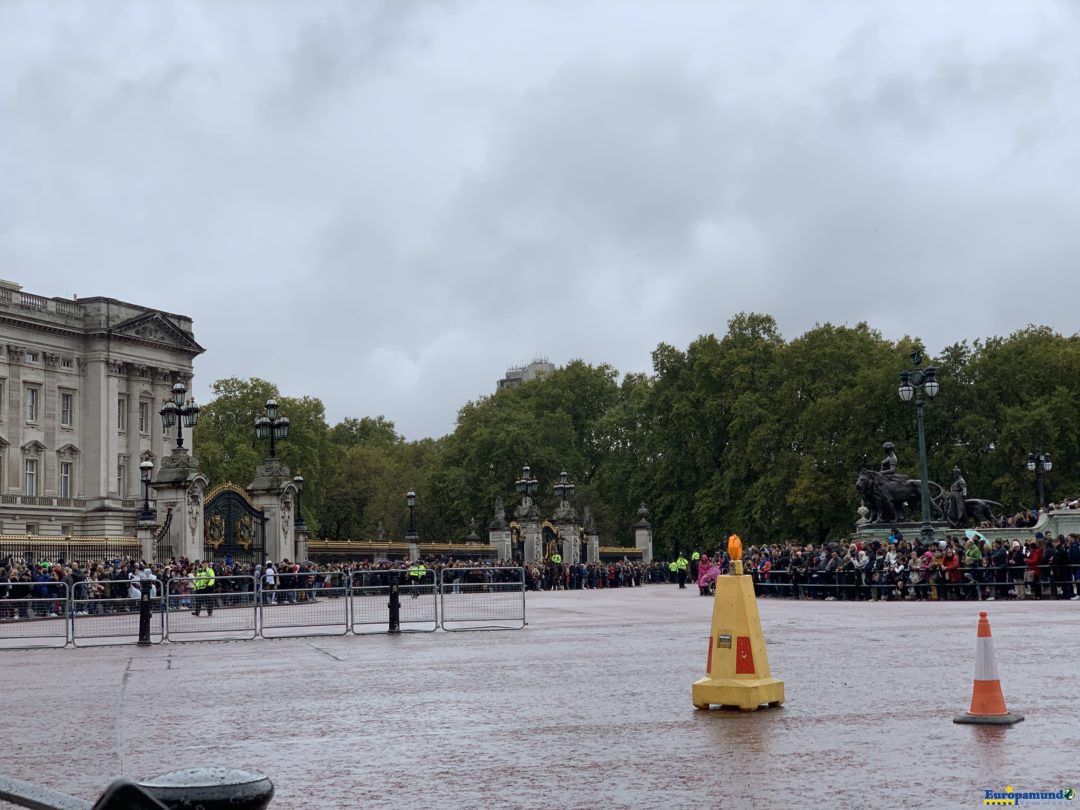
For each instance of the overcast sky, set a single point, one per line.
(385, 204)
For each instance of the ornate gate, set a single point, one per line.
(552, 539)
(233, 526)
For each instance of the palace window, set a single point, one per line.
(121, 414)
(31, 404)
(31, 477)
(144, 417)
(67, 409)
(121, 476)
(65, 479)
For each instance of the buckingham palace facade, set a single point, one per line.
(81, 383)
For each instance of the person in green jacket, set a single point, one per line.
(681, 565)
(416, 573)
(205, 585)
(673, 571)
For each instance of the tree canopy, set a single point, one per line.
(745, 432)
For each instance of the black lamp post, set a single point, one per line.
(564, 489)
(177, 411)
(271, 426)
(146, 471)
(526, 485)
(913, 384)
(1039, 462)
(299, 522)
(410, 499)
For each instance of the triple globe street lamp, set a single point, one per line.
(271, 426)
(178, 412)
(526, 484)
(564, 489)
(1038, 463)
(913, 385)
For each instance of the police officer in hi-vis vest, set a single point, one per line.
(205, 586)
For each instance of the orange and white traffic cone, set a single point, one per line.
(987, 701)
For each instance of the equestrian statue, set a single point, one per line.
(888, 494)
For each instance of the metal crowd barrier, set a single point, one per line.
(482, 598)
(304, 604)
(976, 583)
(227, 612)
(106, 612)
(36, 621)
(369, 596)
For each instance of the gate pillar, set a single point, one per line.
(643, 534)
(499, 539)
(499, 532)
(146, 532)
(179, 484)
(571, 545)
(593, 547)
(527, 520)
(274, 492)
(534, 544)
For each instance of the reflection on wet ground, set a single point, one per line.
(587, 707)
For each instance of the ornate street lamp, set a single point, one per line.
(913, 384)
(298, 523)
(1038, 463)
(411, 535)
(146, 471)
(271, 426)
(564, 489)
(526, 485)
(180, 413)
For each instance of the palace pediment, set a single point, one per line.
(156, 328)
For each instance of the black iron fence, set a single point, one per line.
(31, 550)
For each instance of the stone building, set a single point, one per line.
(81, 383)
(516, 375)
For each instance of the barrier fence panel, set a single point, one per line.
(106, 612)
(304, 604)
(225, 612)
(483, 598)
(34, 615)
(369, 600)
(901, 583)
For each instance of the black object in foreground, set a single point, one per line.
(211, 789)
(208, 788)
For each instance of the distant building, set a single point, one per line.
(81, 383)
(516, 375)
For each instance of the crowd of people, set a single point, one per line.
(40, 590)
(969, 567)
(1028, 518)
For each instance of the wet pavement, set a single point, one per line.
(587, 707)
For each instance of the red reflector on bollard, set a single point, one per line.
(744, 656)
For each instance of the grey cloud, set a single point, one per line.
(384, 204)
